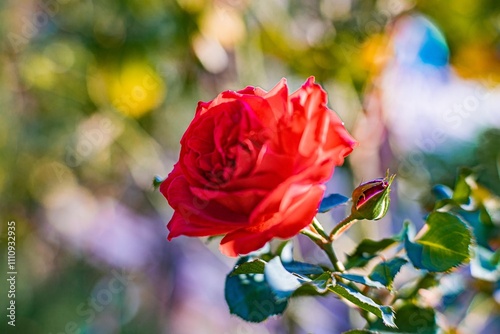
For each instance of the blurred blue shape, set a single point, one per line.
(420, 42)
(433, 50)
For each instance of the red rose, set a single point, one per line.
(252, 165)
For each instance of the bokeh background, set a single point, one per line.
(95, 95)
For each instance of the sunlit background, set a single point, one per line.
(95, 95)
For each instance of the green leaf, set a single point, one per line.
(485, 217)
(385, 272)
(383, 312)
(250, 297)
(303, 269)
(367, 250)
(495, 259)
(322, 282)
(411, 318)
(360, 331)
(362, 280)
(411, 290)
(444, 203)
(315, 287)
(157, 181)
(253, 267)
(481, 225)
(282, 282)
(331, 201)
(462, 189)
(445, 244)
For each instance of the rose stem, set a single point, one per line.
(342, 226)
(328, 248)
(321, 239)
(318, 227)
(318, 239)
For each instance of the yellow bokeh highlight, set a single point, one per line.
(376, 52)
(477, 60)
(134, 88)
(39, 71)
(224, 24)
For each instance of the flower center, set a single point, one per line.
(221, 173)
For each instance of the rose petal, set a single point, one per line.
(265, 175)
(300, 212)
(300, 204)
(339, 140)
(200, 213)
(178, 226)
(311, 100)
(242, 201)
(266, 214)
(242, 242)
(251, 90)
(176, 172)
(278, 99)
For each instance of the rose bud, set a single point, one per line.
(371, 199)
